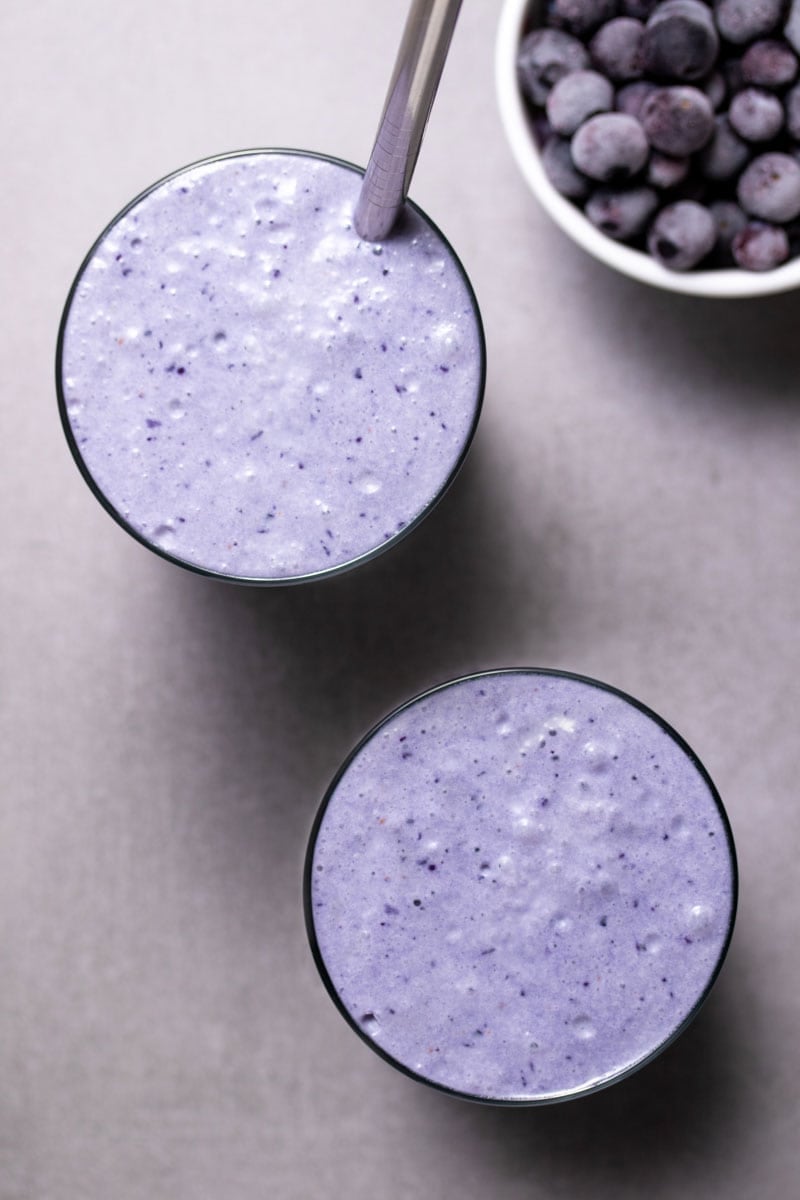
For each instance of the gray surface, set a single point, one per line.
(630, 510)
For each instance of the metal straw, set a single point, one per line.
(420, 59)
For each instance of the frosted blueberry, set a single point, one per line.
(541, 126)
(616, 49)
(561, 170)
(769, 187)
(583, 16)
(716, 89)
(769, 63)
(741, 21)
(729, 219)
(577, 96)
(544, 56)
(760, 247)
(681, 235)
(631, 97)
(610, 147)
(680, 41)
(756, 115)
(622, 213)
(678, 120)
(640, 9)
(689, 99)
(791, 30)
(664, 172)
(725, 154)
(792, 104)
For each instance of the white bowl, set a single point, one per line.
(734, 282)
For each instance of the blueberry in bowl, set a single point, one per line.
(663, 136)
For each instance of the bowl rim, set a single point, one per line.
(724, 283)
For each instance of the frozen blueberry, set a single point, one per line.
(741, 21)
(610, 147)
(725, 155)
(791, 30)
(729, 219)
(716, 89)
(551, 18)
(681, 235)
(792, 104)
(541, 126)
(631, 97)
(686, 101)
(769, 63)
(640, 9)
(678, 120)
(577, 96)
(664, 172)
(616, 49)
(622, 213)
(680, 41)
(544, 56)
(583, 16)
(756, 115)
(760, 247)
(561, 170)
(769, 188)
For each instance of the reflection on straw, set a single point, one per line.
(420, 60)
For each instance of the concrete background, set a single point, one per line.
(629, 511)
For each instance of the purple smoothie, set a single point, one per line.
(251, 389)
(520, 887)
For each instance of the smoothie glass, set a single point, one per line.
(251, 389)
(520, 887)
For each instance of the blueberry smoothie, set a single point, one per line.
(520, 886)
(251, 389)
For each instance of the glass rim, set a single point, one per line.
(594, 1085)
(267, 580)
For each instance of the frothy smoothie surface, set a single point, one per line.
(521, 885)
(251, 388)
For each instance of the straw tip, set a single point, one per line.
(374, 222)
